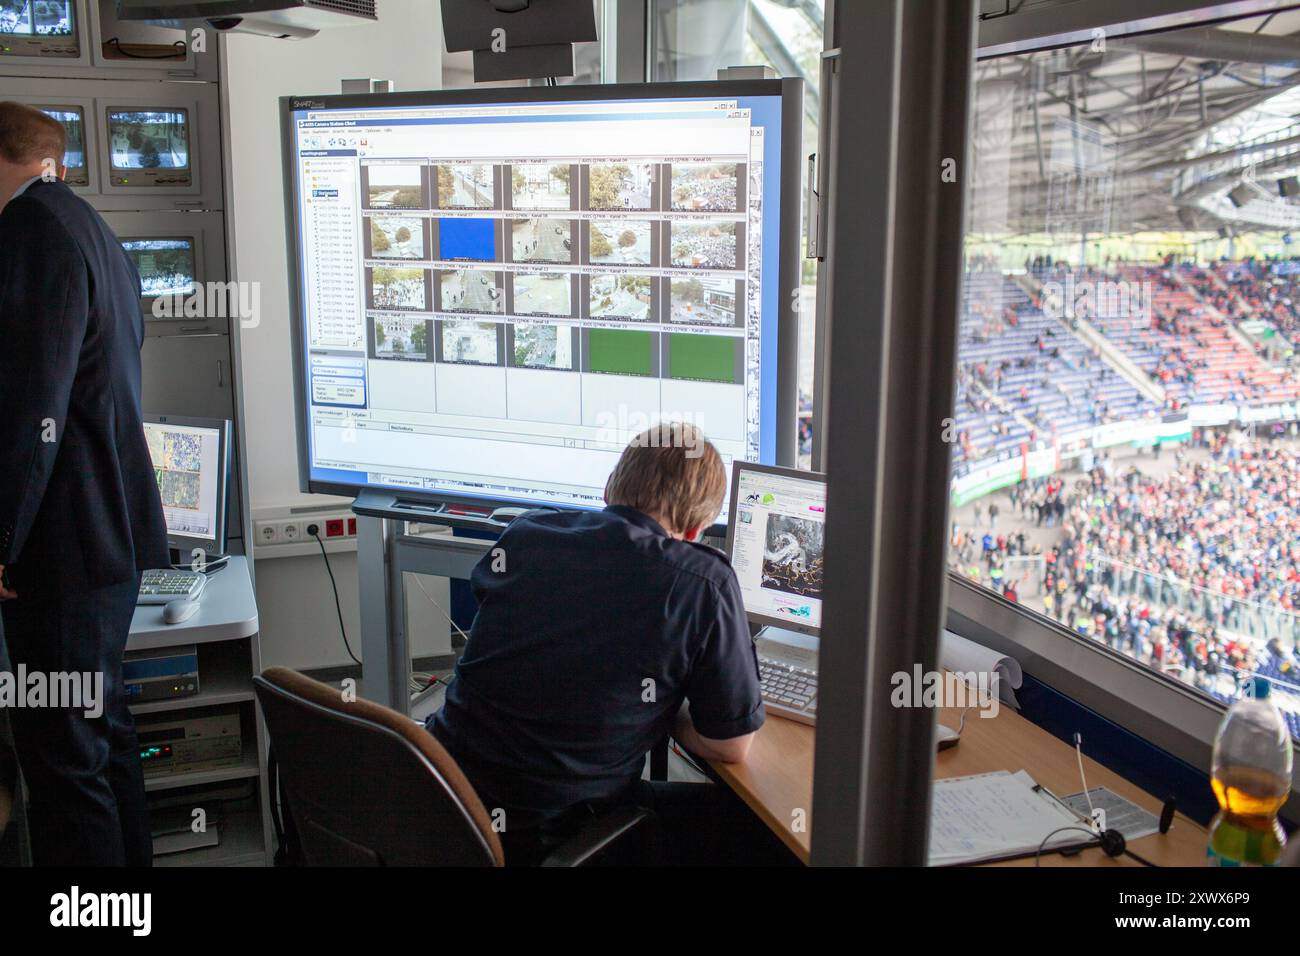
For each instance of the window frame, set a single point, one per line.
(1173, 716)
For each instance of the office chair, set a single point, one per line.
(367, 786)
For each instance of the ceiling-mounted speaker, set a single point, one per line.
(1240, 195)
(1288, 186)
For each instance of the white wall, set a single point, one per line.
(299, 626)
(405, 46)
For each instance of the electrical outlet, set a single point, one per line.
(291, 531)
(268, 532)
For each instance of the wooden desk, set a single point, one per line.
(776, 780)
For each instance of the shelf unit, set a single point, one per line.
(225, 634)
(180, 364)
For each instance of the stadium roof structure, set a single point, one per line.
(1184, 130)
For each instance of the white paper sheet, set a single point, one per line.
(992, 815)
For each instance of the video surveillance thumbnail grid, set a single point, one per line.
(629, 267)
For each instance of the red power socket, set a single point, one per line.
(334, 528)
(352, 527)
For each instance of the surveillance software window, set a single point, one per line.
(498, 297)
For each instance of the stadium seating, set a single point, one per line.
(1023, 375)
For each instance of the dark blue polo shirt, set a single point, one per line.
(590, 633)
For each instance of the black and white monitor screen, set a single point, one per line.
(776, 539)
(191, 463)
(149, 147)
(497, 289)
(166, 266)
(74, 152)
(44, 28)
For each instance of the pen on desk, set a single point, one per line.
(1038, 786)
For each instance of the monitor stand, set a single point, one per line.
(787, 647)
(781, 635)
(212, 563)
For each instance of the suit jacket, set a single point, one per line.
(79, 505)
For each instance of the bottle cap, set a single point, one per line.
(1257, 688)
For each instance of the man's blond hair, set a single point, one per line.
(29, 136)
(674, 474)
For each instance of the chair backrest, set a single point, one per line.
(368, 786)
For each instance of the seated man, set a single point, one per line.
(592, 631)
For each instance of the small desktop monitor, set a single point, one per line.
(149, 147)
(166, 266)
(191, 463)
(776, 538)
(39, 28)
(73, 121)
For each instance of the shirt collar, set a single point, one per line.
(638, 518)
(23, 188)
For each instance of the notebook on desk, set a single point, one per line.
(993, 816)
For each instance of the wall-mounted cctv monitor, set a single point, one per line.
(148, 147)
(41, 31)
(494, 290)
(76, 158)
(65, 101)
(152, 147)
(100, 46)
(166, 265)
(178, 255)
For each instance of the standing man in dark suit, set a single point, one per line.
(80, 515)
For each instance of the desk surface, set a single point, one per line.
(776, 781)
(227, 611)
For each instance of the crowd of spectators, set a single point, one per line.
(1196, 573)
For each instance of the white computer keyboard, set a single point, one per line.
(164, 585)
(788, 690)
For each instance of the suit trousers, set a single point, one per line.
(82, 772)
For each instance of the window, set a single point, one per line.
(693, 40)
(1126, 454)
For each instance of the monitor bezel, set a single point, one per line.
(86, 145)
(133, 177)
(30, 49)
(196, 255)
(785, 623)
(790, 90)
(224, 428)
(203, 230)
(43, 94)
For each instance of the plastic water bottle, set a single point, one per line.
(1251, 777)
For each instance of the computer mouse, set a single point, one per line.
(945, 736)
(176, 612)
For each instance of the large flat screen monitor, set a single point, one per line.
(494, 290)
